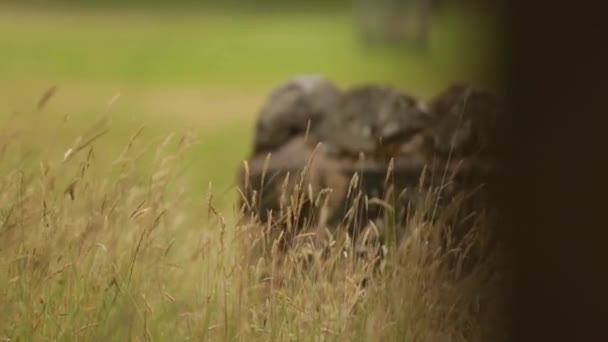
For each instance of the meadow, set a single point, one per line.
(117, 189)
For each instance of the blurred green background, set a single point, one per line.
(207, 66)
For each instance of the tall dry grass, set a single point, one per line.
(100, 243)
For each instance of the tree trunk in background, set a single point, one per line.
(424, 23)
(395, 22)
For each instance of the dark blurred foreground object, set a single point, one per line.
(376, 143)
(553, 184)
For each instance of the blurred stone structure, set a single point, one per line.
(338, 159)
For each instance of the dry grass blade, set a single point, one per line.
(247, 174)
(132, 258)
(46, 97)
(129, 145)
(79, 146)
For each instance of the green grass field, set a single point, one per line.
(210, 70)
(140, 253)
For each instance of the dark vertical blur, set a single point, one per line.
(554, 178)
